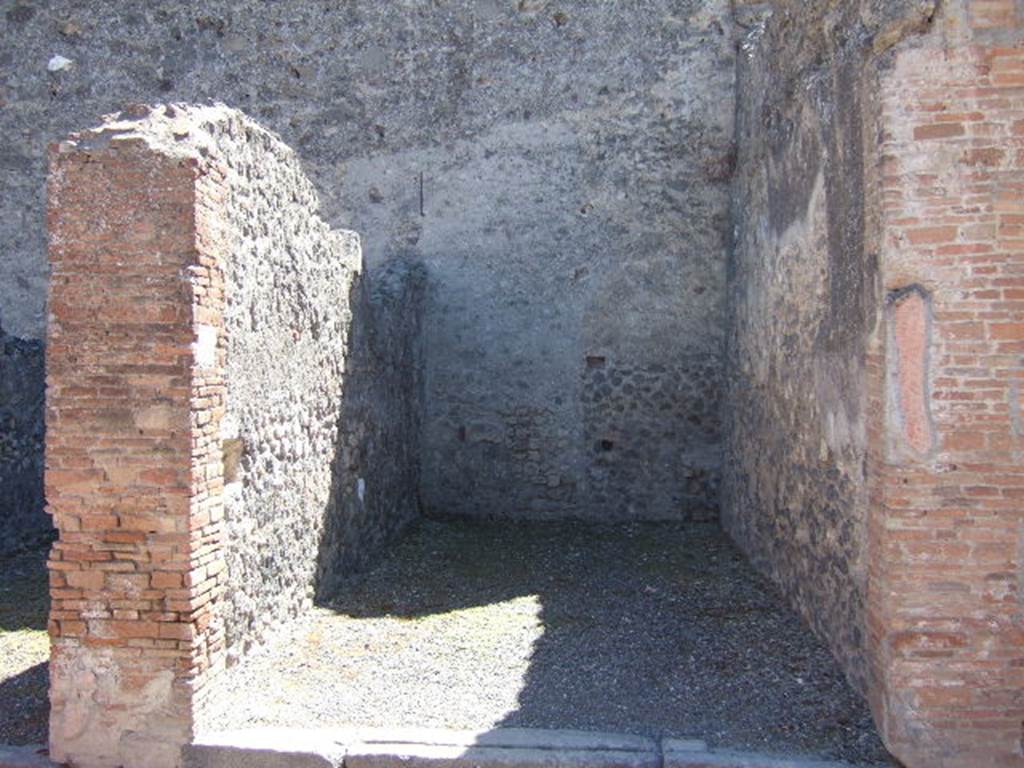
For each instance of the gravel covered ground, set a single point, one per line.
(656, 629)
(24, 648)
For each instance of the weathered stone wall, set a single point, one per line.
(322, 372)
(229, 407)
(874, 351)
(574, 159)
(803, 298)
(377, 465)
(22, 519)
(290, 282)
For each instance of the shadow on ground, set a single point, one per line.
(658, 629)
(24, 648)
(25, 707)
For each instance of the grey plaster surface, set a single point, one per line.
(574, 159)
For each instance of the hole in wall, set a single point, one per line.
(232, 449)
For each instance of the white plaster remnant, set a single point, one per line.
(204, 348)
(58, 63)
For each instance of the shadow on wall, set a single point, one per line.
(23, 520)
(376, 466)
(656, 629)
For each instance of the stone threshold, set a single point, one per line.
(436, 748)
(34, 756)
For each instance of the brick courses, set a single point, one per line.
(136, 356)
(133, 474)
(945, 616)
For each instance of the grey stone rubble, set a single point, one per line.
(435, 748)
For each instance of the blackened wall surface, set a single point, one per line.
(22, 381)
(560, 168)
(803, 299)
(377, 463)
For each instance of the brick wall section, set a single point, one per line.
(945, 616)
(133, 466)
(203, 314)
(206, 578)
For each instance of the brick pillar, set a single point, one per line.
(133, 466)
(946, 619)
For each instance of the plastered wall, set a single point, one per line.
(560, 168)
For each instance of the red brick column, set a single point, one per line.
(133, 475)
(946, 622)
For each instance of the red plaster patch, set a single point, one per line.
(910, 333)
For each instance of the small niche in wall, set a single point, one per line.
(596, 361)
(231, 449)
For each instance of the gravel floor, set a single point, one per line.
(653, 629)
(24, 648)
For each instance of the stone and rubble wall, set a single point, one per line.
(874, 353)
(803, 299)
(376, 489)
(561, 168)
(321, 425)
(208, 462)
